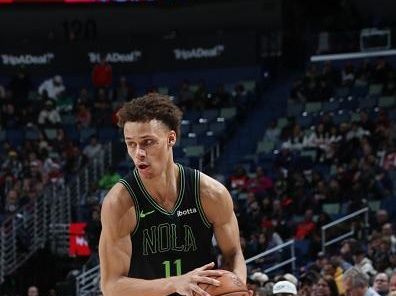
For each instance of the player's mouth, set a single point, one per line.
(142, 167)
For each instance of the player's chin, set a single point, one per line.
(146, 172)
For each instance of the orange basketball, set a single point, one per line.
(230, 285)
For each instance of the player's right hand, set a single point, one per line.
(187, 284)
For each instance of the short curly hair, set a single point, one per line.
(149, 107)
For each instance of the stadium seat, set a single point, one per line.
(32, 133)
(294, 109)
(313, 107)
(199, 128)
(15, 137)
(265, 147)
(188, 141)
(387, 102)
(86, 133)
(108, 134)
(50, 133)
(375, 89)
(341, 92)
(228, 113)
(249, 85)
(210, 114)
(330, 106)
(194, 151)
(331, 208)
(281, 122)
(217, 127)
(367, 102)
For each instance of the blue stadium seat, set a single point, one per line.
(86, 133)
(108, 134)
(210, 114)
(15, 136)
(217, 127)
(32, 133)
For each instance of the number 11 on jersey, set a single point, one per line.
(176, 263)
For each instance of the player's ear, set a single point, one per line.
(172, 138)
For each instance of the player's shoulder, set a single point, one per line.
(117, 200)
(211, 188)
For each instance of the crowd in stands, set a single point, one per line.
(284, 194)
(321, 84)
(282, 197)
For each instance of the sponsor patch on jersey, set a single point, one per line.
(186, 212)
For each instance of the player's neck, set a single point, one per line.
(164, 188)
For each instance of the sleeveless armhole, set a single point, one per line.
(137, 211)
(197, 188)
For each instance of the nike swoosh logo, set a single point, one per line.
(142, 215)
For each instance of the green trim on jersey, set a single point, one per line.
(137, 210)
(153, 202)
(198, 199)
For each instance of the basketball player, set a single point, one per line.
(158, 221)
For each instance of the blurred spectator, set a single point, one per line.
(356, 283)
(239, 180)
(387, 231)
(381, 284)
(102, 74)
(285, 288)
(32, 291)
(362, 262)
(272, 133)
(297, 92)
(260, 183)
(392, 282)
(123, 91)
(306, 283)
(185, 96)
(93, 148)
(52, 88)
(325, 286)
(200, 96)
(101, 109)
(333, 269)
(83, 115)
(11, 204)
(49, 116)
(220, 98)
(306, 227)
(348, 75)
(2, 92)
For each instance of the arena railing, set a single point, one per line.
(278, 250)
(27, 231)
(344, 231)
(88, 282)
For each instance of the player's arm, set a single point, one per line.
(115, 251)
(219, 210)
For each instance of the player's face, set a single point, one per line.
(148, 146)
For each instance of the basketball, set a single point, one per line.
(230, 285)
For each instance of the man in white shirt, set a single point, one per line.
(53, 87)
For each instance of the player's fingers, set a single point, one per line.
(207, 266)
(211, 272)
(208, 280)
(198, 291)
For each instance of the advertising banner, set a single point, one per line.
(154, 55)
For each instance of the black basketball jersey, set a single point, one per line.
(166, 243)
